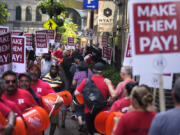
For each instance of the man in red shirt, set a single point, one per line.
(7, 113)
(21, 97)
(43, 88)
(39, 86)
(98, 80)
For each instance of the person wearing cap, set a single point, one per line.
(167, 123)
(98, 80)
(24, 81)
(21, 97)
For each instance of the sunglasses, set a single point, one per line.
(8, 81)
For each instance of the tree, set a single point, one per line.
(3, 14)
(51, 7)
(69, 29)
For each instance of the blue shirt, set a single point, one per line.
(166, 123)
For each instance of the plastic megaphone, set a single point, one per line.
(67, 97)
(37, 120)
(110, 122)
(19, 128)
(48, 102)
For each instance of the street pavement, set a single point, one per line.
(70, 129)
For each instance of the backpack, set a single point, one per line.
(93, 97)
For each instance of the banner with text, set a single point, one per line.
(107, 54)
(154, 27)
(5, 52)
(107, 16)
(41, 44)
(29, 41)
(58, 38)
(71, 44)
(18, 54)
(128, 53)
(153, 81)
(4, 29)
(17, 32)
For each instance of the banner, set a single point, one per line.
(18, 54)
(41, 44)
(71, 44)
(153, 80)
(50, 34)
(58, 38)
(107, 54)
(107, 16)
(17, 32)
(4, 29)
(155, 26)
(128, 53)
(104, 41)
(5, 52)
(29, 41)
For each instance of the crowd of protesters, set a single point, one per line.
(62, 69)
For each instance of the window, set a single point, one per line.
(38, 15)
(18, 13)
(28, 13)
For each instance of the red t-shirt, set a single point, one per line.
(12, 106)
(134, 123)
(120, 89)
(58, 54)
(120, 105)
(99, 82)
(4, 109)
(22, 98)
(42, 88)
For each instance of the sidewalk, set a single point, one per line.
(70, 129)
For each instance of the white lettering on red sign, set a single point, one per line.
(156, 28)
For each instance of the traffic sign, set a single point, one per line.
(50, 24)
(90, 4)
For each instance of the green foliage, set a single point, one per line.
(113, 75)
(3, 14)
(54, 9)
(68, 30)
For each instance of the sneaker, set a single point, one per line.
(73, 116)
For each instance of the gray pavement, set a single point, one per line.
(70, 129)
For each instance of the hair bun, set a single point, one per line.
(147, 99)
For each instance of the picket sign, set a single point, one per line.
(29, 41)
(128, 53)
(71, 44)
(41, 44)
(18, 46)
(4, 29)
(154, 27)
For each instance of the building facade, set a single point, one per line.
(25, 15)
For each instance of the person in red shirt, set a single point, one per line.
(21, 97)
(138, 121)
(25, 83)
(43, 88)
(39, 86)
(122, 105)
(97, 78)
(58, 54)
(7, 112)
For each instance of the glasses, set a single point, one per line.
(8, 81)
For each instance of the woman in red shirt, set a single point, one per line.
(139, 120)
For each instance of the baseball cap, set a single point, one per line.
(98, 67)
